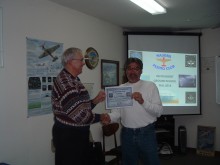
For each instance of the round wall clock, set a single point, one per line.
(91, 58)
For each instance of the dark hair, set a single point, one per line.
(131, 60)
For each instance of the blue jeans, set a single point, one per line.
(139, 144)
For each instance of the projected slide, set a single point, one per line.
(175, 75)
(172, 62)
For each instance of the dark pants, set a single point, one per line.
(71, 145)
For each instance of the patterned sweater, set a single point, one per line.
(71, 103)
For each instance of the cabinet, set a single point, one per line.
(165, 130)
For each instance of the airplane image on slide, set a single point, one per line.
(49, 51)
(163, 60)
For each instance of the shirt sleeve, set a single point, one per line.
(153, 104)
(115, 115)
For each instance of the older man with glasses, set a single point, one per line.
(72, 108)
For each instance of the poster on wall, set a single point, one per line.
(43, 65)
(1, 39)
(206, 141)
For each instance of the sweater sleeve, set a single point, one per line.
(71, 103)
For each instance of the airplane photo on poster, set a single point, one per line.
(49, 51)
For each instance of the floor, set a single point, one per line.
(189, 158)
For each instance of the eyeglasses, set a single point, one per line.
(82, 59)
(135, 68)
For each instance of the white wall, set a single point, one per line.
(26, 141)
(210, 47)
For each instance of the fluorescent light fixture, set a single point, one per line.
(150, 6)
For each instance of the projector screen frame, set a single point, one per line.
(198, 112)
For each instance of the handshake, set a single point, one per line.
(105, 119)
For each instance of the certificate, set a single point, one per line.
(118, 97)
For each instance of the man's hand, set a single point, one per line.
(99, 98)
(105, 119)
(138, 97)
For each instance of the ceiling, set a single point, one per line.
(181, 14)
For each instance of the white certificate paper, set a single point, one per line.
(118, 97)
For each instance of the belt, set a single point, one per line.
(138, 129)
